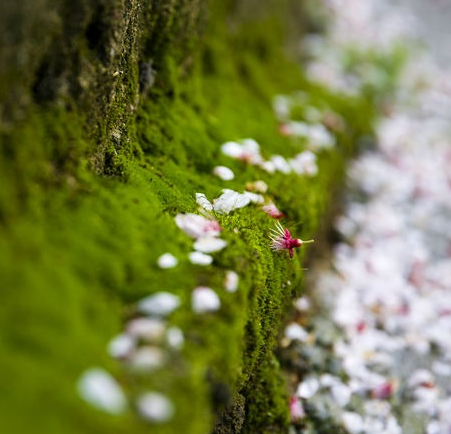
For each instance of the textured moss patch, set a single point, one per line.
(92, 175)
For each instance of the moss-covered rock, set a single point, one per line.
(112, 116)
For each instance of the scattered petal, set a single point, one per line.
(155, 407)
(146, 359)
(229, 201)
(272, 211)
(121, 346)
(281, 164)
(175, 338)
(353, 422)
(101, 390)
(308, 388)
(146, 329)
(295, 332)
(167, 260)
(223, 173)
(199, 258)
(209, 244)
(254, 198)
(159, 304)
(296, 409)
(197, 226)
(204, 299)
(257, 186)
(203, 202)
(231, 281)
(304, 163)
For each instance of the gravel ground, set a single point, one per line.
(373, 354)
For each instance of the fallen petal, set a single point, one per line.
(204, 299)
(167, 260)
(155, 407)
(199, 258)
(209, 244)
(231, 281)
(223, 173)
(98, 388)
(159, 304)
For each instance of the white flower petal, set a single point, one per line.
(254, 198)
(231, 281)
(167, 260)
(204, 299)
(148, 329)
(232, 149)
(155, 407)
(175, 338)
(281, 164)
(223, 173)
(203, 202)
(100, 389)
(197, 226)
(230, 200)
(268, 166)
(308, 388)
(121, 346)
(296, 332)
(159, 304)
(146, 359)
(209, 244)
(257, 186)
(200, 258)
(353, 422)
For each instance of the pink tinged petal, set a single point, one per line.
(159, 304)
(204, 299)
(223, 173)
(121, 346)
(155, 407)
(209, 244)
(197, 226)
(296, 409)
(167, 260)
(383, 391)
(231, 281)
(99, 389)
(272, 211)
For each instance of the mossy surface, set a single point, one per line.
(97, 159)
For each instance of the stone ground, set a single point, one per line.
(370, 350)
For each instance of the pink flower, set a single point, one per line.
(272, 211)
(281, 239)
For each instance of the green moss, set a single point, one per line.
(91, 183)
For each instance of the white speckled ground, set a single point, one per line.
(386, 294)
